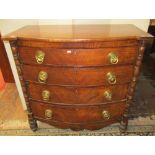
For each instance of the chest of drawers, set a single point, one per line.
(78, 76)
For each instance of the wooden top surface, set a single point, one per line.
(77, 32)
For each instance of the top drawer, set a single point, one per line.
(78, 57)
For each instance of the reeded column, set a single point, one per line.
(31, 119)
(132, 85)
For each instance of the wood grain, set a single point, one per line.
(77, 65)
(76, 95)
(97, 76)
(78, 76)
(78, 44)
(132, 86)
(80, 114)
(11, 108)
(78, 57)
(31, 119)
(61, 33)
(62, 76)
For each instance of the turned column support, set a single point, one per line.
(132, 86)
(31, 119)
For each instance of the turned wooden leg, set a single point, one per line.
(32, 122)
(124, 123)
(132, 85)
(24, 85)
(33, 125)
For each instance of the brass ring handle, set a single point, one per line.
(113, 58)
(108, 95)
(106, 114)
(40, 55)
(46, 95)
(48, 114)
(42, 77)
(111, 78)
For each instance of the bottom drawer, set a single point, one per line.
(77, 114)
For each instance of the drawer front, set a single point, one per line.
(105, 75)
(106, 56)
(106, 94)
(77, 114)
(86, 57)
(128, 42)
(75, 95)
(52, 94)
(79, 76)
(61, 76)
(46, 56)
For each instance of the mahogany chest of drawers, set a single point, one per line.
(78, 76)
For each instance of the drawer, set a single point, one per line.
(77, 114)
(106, 56)
(79, 76)
(55, 75)
(105, 75)
(72, 57)
(52, 94)
(76, 95)
(29, 55)
(102, 94)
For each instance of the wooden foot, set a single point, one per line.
(32, 122)
(123, 124)
(33, 125)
